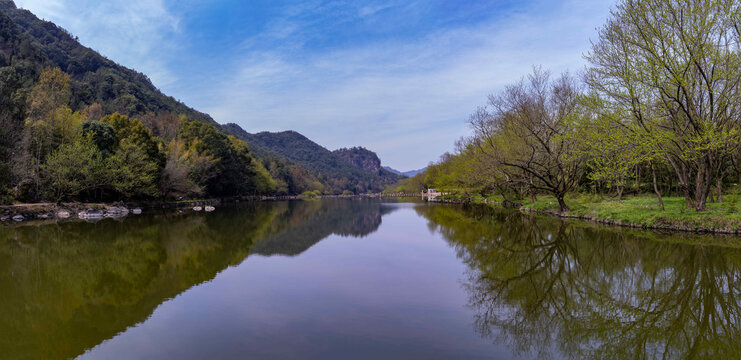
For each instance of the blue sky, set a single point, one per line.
(398, 77)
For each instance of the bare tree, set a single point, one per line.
(524, 133)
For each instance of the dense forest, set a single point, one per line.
(77, 126)
(657, 110)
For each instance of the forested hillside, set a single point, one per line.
(362, 158)
(335, 170)
(77, 126)
(28, 44)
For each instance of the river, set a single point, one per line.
(364, 279)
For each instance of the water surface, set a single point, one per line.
(364, 279)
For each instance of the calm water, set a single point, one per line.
(362, 279)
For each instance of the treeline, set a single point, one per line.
(88, 155)
(657, 109)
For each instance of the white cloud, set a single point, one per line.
(134, 33)
(407, 101)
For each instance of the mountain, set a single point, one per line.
(410, 173)
(389, 168)
(357, 169)
(361, 158)
(29, 44)
(413, 173)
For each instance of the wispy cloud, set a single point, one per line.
(407, 100)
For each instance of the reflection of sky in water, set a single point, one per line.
(394, 293)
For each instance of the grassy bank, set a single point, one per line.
(644, 211)
(636, 211)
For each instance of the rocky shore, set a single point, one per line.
(90, 211)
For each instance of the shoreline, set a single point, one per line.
(681, 227)
(42, 213)
(69, 211)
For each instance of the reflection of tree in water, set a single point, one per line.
(68, 287)
(316, 220)
(542, 284)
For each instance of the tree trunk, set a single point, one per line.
(719, 188)
(562, 208)
(620, 193)
(687, 197)
(704, 183)
(656, 188)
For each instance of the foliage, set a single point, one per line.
(355, 170)
(102, 134)
(235, 171)
(73, 168)
(672, 69)
(132, 172)
(658, 112)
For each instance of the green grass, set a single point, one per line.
(644, 210)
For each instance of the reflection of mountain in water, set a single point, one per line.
(541, 285)
(68, 287)
(320, 219)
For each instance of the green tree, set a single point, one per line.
(133, 131)
(72, 169)
(46, 124)
(673, 69)
(131, 172)
(102, 135)
(236, 172)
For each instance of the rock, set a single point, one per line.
(210, 208)
(18, 218)
(5, 218)
(197, 208)
(90, 214)
(116, 211)
(63, 214)
(136, 211)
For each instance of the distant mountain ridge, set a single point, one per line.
(355, 169)
(410, 173)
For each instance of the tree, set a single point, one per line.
(131, 171)
(133, 131)
(612, 148)
(524, 133)
(102, 135)
(672, 68)
(73, 168)
(186, 171)
(236, 172)
(46, 115)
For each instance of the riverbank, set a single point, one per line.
(50, 212)
(73, 210)
(641, 211)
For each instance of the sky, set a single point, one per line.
(399, 77)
